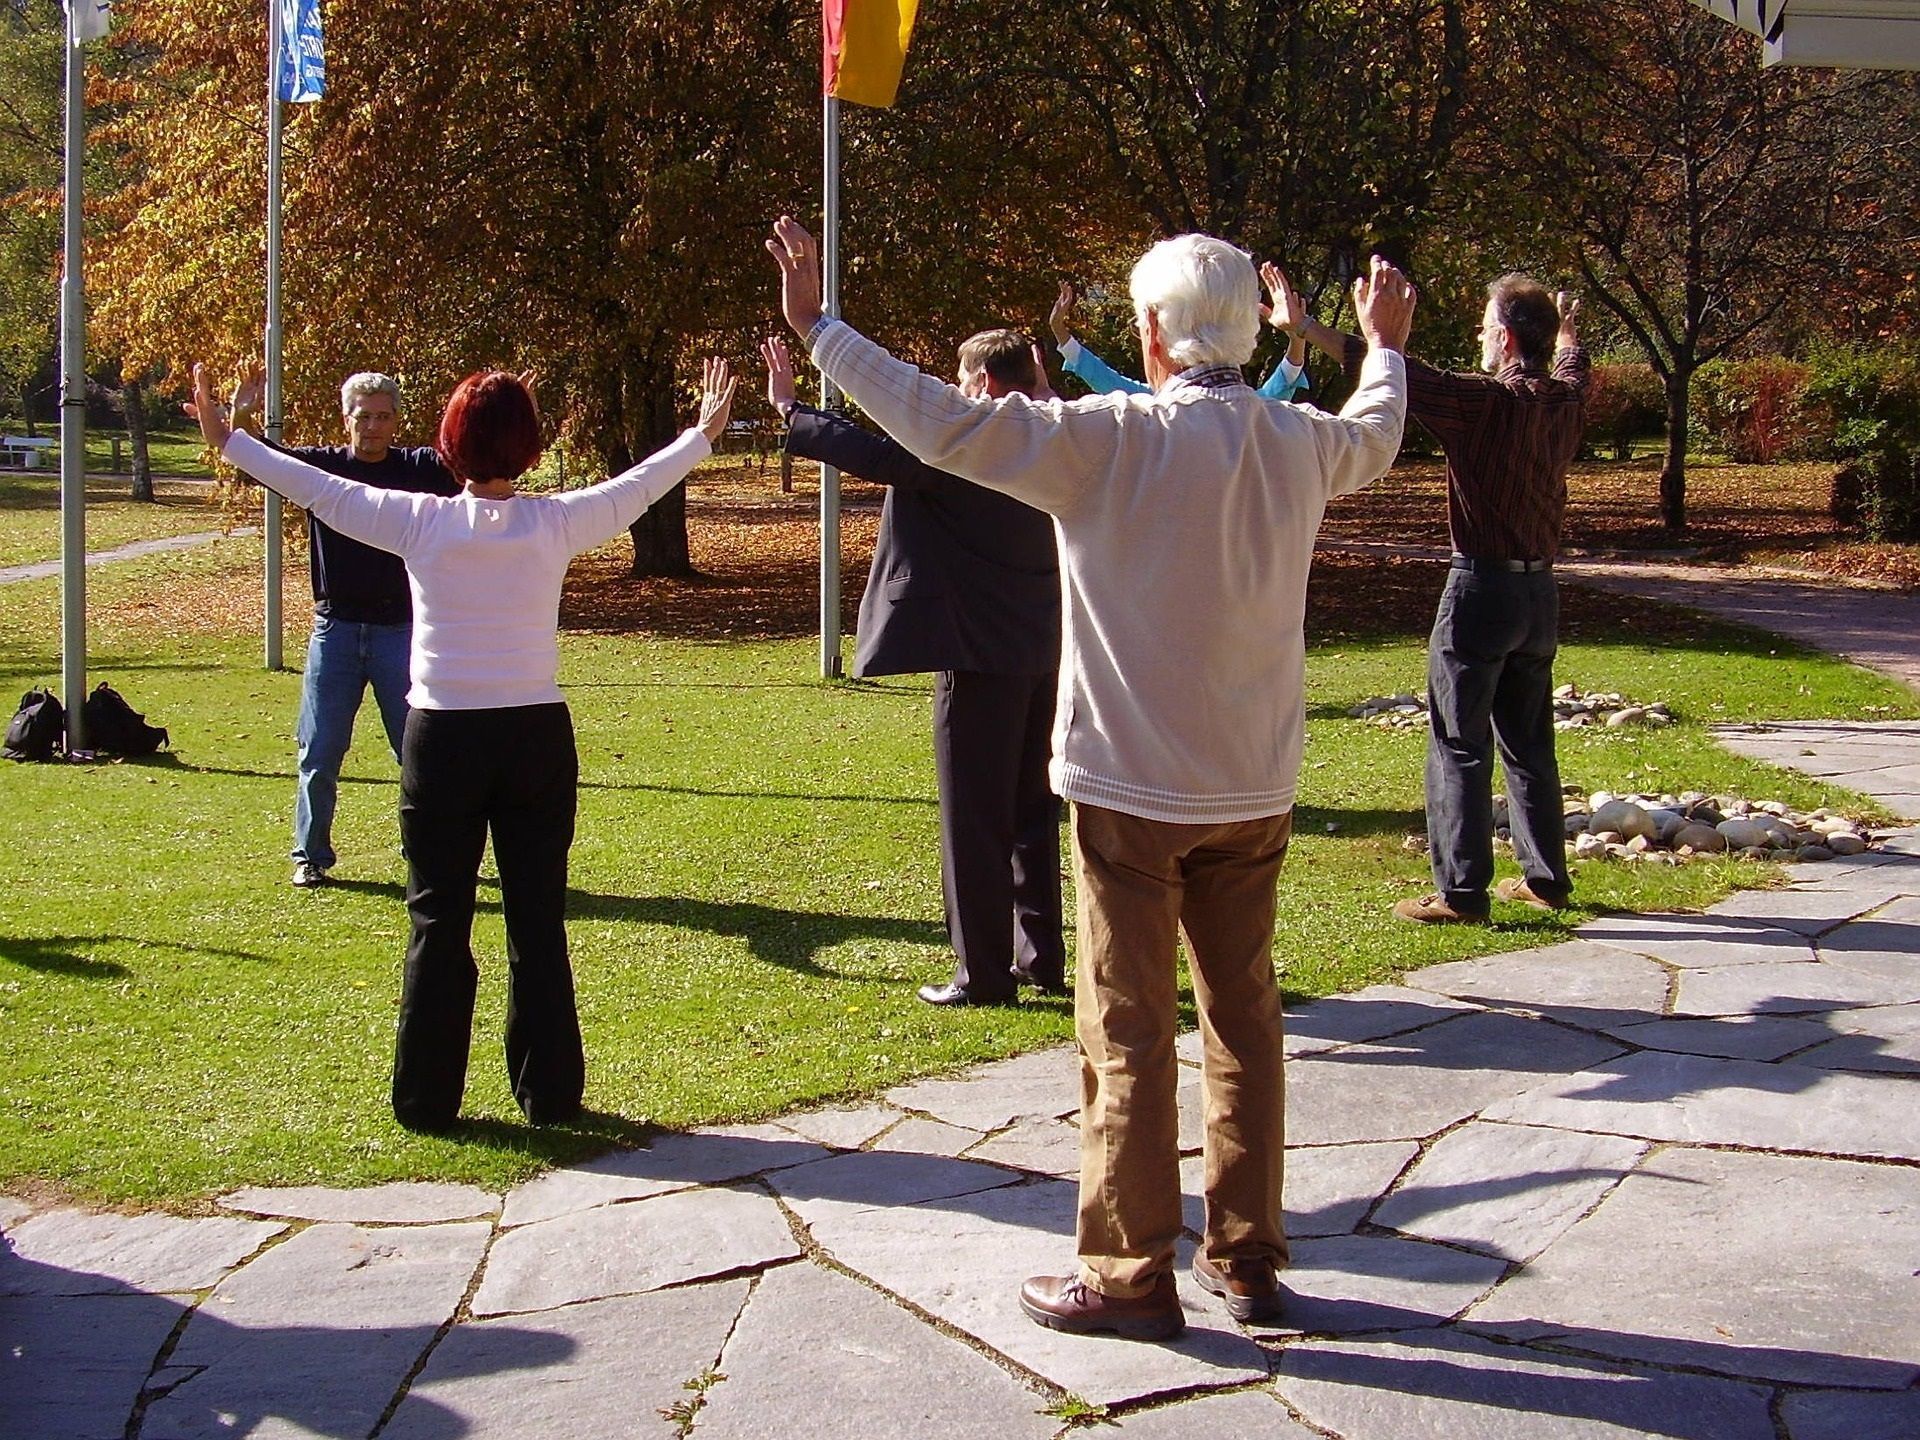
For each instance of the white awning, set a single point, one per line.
(1846, 34)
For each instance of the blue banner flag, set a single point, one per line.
(302, 61)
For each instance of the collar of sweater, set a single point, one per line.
(1209, 377)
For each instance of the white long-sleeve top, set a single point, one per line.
(485, 574)
(1186, 521)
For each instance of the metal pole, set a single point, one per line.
(73, 411)
(829, 393)
(270, 520)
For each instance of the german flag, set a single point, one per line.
(865, 48)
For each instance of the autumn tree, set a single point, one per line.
(1703, 195)
(31, 143)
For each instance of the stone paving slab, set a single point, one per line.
(1886, 946)
(1732, 1037)
(1579, 983)
(929, 1137)
(625, 1249)
(1328, 1188)
(1851, 1415)
(1507, 1190)
(1244, 1415)
(1438, 1383)
(991, 1097)
(672, 1162)
(871, 1369)
(1882, 1038)
(1703, 1101)
(847, 1185)
(1425, 1082)
(1751, 1265)
(603, 1368)
(1801, 910)
(1698, 942)
(72, 1252)
(965, 1267)
(73, 1366)
(1792, 989)
(1045, 1147)
(844, 1129)
(271, 1360)
(1370, 1014)
(1873, 871)
(1348, 1283)
(12, 1212)
(404, 1202)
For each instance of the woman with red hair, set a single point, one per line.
(489, 741)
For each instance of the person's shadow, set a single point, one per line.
(89, 1354)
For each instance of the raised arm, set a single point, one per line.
(1100, 377)
(835, 440)
(600, 512)
(1042, 453)
(385, 519)
(1570, 363)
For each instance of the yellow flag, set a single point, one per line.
(866, 46)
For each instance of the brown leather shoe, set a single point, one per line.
(1251, 1288)
(1434, 910)
(1065, 1302)
(1525, 894)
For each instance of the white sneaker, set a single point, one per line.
(307, 875)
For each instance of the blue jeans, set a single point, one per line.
(343, 658)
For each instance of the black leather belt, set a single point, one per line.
(1482, 566)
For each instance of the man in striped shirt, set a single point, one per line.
(1509, 436)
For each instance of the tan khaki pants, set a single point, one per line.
(1139, 882)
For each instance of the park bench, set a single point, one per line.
(23, 452)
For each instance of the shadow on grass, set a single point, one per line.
(67, 954)
(790, 939)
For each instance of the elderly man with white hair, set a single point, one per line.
(1186, 520)
(362, 612)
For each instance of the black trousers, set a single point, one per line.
(1490, 680)
(999, 829)
(462, 773)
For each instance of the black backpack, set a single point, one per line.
(116, 727)
(38, 729)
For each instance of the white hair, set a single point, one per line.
(368, 382)
(1206, 296)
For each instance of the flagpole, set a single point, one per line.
(271, 519)
(73, 406)
(829, 395)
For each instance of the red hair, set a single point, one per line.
(491, 428)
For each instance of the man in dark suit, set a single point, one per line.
(966, 583)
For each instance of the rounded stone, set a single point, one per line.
(1813, 852)
(1843, 842)
(1626, 818)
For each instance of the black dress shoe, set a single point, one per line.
(951, 994)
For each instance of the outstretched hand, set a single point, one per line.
(780, 393)
(1060, 318)
(798, 257)
(716, 398)
(1383, 298)
(214, 428)
(1568, 305)
(1287, 313)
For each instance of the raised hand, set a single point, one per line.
(1060, 318)
(1043, 388)
(212, 416)
(773, 350)
(1287, 313)
(716, 398)
(1384, 300)
(794, 251)
(1568, 305)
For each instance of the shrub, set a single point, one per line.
(1624, 403)
(1870, 402)
(1755, 411)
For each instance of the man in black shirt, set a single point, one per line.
(362, 614)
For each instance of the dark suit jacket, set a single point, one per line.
(963, 578)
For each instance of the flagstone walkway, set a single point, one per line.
(1662, 1179)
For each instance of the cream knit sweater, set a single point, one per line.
(1186, 522)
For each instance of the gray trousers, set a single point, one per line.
(1490, 681)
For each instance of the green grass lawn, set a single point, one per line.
(30, 514)
(755, 894)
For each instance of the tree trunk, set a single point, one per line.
(660, 544)
(1673, 471)
(133, 402)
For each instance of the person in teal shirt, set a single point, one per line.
(1288, 380)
